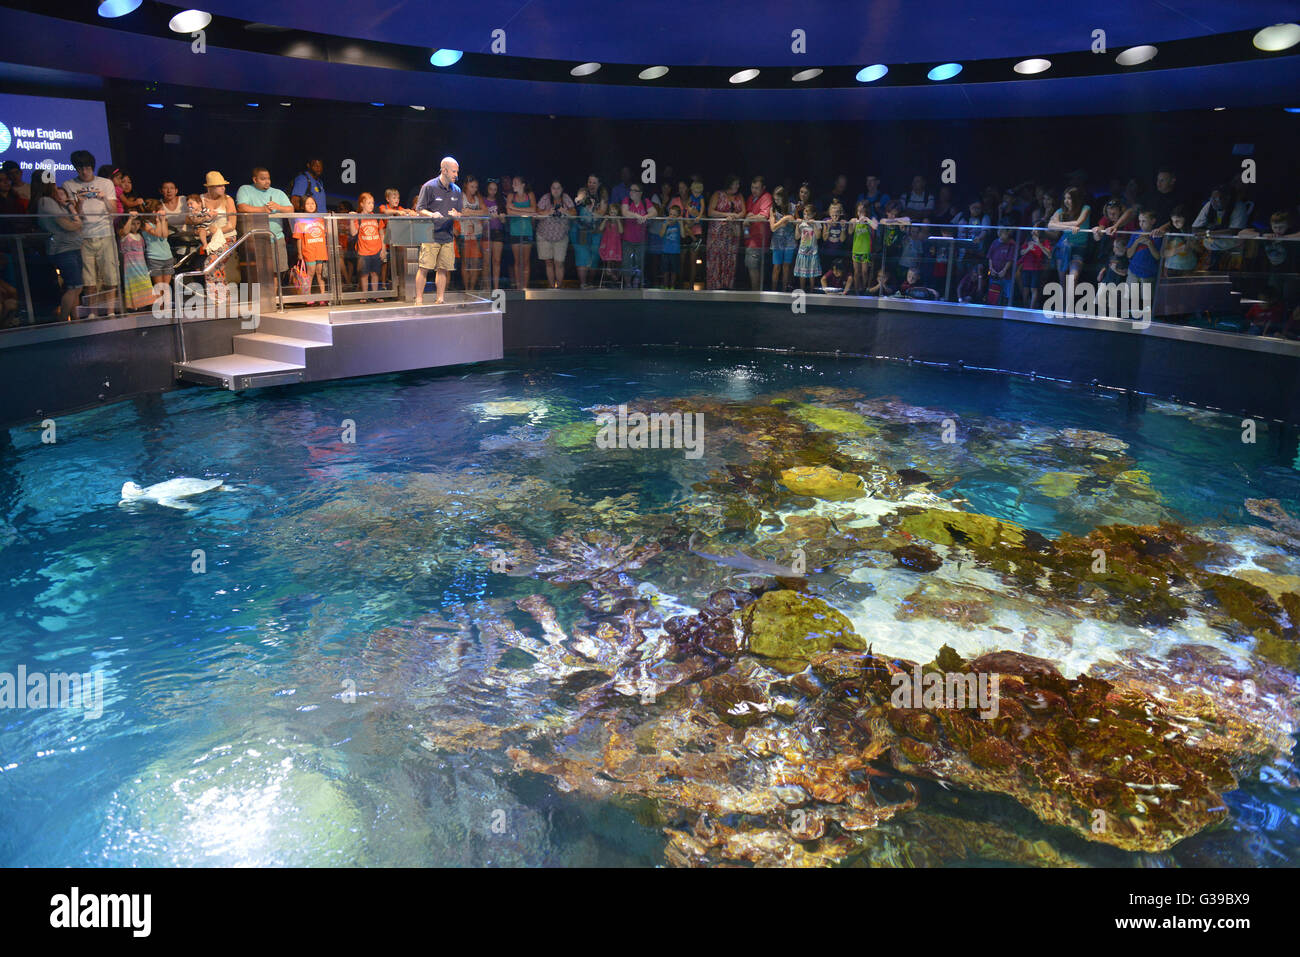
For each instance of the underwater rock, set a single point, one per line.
(788, 626)
(833, 420)
(575, 435)
(823, 482)
(913, 477)
(931, 603)
(962, 528)
(1058, 484)
(1088, 439)
(1109, 763)
(1271, 511)
(917, 557)
(895, 410)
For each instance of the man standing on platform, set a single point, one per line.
(441, 200)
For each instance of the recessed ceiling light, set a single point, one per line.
(652, 73)
(286, 104)
(807, 74)
(584, 69)
(944, 71)
(870, 74)
(186, 106)
(445, 57)
(415, 107)
(187, 21)
(744, 76)
(1033, 65)
(156, 106)
(117, 8)
(1280, 36)
(1291, 109)
(252, 104)
(1135, 55)
(1218, 108)
(376, 104)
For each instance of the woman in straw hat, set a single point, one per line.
(217, 229)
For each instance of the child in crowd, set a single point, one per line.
(835, 233)
(893, 235)
(1002, 256)
(157, 250)
(861, 227)
(1265, 314)
(368, 235)
(782, 219)
(1281, 248)
(1032, 261)
(836, 280)
(913, 281)
(884, 285)
(137, 290)
(670, 255)
(1143, 250)
(913, 252)
(611, 238)
(310, 233)
(392, 206)
(807, 263)
(1180, 252)
(971, 285)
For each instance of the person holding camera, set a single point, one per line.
(99, 265)
(554, 211)
(586, 242)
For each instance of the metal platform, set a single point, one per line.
(336, 342)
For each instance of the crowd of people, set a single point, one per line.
(1002, 246)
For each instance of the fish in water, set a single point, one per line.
(745, 563)
(171, 493)
(913, 477)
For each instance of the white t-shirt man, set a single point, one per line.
(98, 205)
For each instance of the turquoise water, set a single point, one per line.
(259, 712)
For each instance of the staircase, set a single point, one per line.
(312, 345)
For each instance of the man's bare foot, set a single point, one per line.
(419, 301)
(437, 302)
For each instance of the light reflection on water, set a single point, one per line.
(258, 714)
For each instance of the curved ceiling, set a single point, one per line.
(377, 51)
(758, 32)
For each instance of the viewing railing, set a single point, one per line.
(1243, 281)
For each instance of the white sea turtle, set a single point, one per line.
(171, 492)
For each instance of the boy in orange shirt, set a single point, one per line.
(369, 234)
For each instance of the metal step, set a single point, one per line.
(315, 327)
(238, 372)
(264, 345)
(409, 310)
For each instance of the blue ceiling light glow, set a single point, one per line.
(870, 74)
(1291, 109)
(155, 106)
(117, 8)
(251, 104)
(944, 71)
(376, 104)
(446, 57)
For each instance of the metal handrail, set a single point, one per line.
(209, 267)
